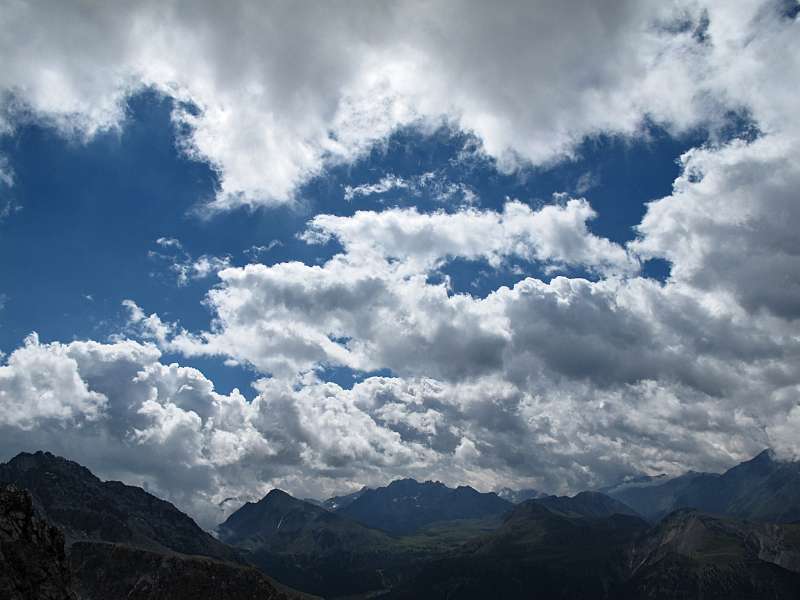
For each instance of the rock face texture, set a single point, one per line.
(32, 561)
(695, 555)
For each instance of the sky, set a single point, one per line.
(320, 246)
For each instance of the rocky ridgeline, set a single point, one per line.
(33, 565)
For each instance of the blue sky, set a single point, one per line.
(88, 216)
(548, 246)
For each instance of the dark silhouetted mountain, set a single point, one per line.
(545, 555)
(309, 547)
(517, 496)
(763, 489)
(111, 571)
(339, 502)
(405, 505)
(123, 542)
(33, 565)
(282, 523)
(694, 555)
(537, 553)
(586, 504)
(85, 508)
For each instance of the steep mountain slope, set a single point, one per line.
(763, 489)
(85, 508)
(33, 565)
(694, 555)
(405, 505)
(654, 498)
(123, 542)
(282, 523)
(110, 571)
(535, 554)
(586, 504)
(310, 548)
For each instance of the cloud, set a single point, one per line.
(37, 386)
(729, 226)
(529, 87)
(256, 252)
(387, 183)
(127, 415)
(555, 234)
(559, 382)
(186, 267)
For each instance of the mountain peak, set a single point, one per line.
(86, 508)
(405, 505)
(26, 461)
(586, 504)
(765, 456)
(278, 494)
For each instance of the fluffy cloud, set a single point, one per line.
(556, 235)
(557, 384)
(164, 427)
(730, 225)
(271, 95)
(39, 386)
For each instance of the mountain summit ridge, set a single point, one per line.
(406, 505)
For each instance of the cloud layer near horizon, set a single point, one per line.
(560, 384)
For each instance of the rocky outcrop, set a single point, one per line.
(33, 565)
(695, 555)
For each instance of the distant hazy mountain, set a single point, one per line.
(762, 488)
(586, 504)
(406, 505)
(517, 496)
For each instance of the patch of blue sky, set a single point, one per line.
(84, 238)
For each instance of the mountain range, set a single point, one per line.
(405, 505)
(67, 535)
(762, 489)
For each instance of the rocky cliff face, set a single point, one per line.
(694, 555)
(32, 561)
